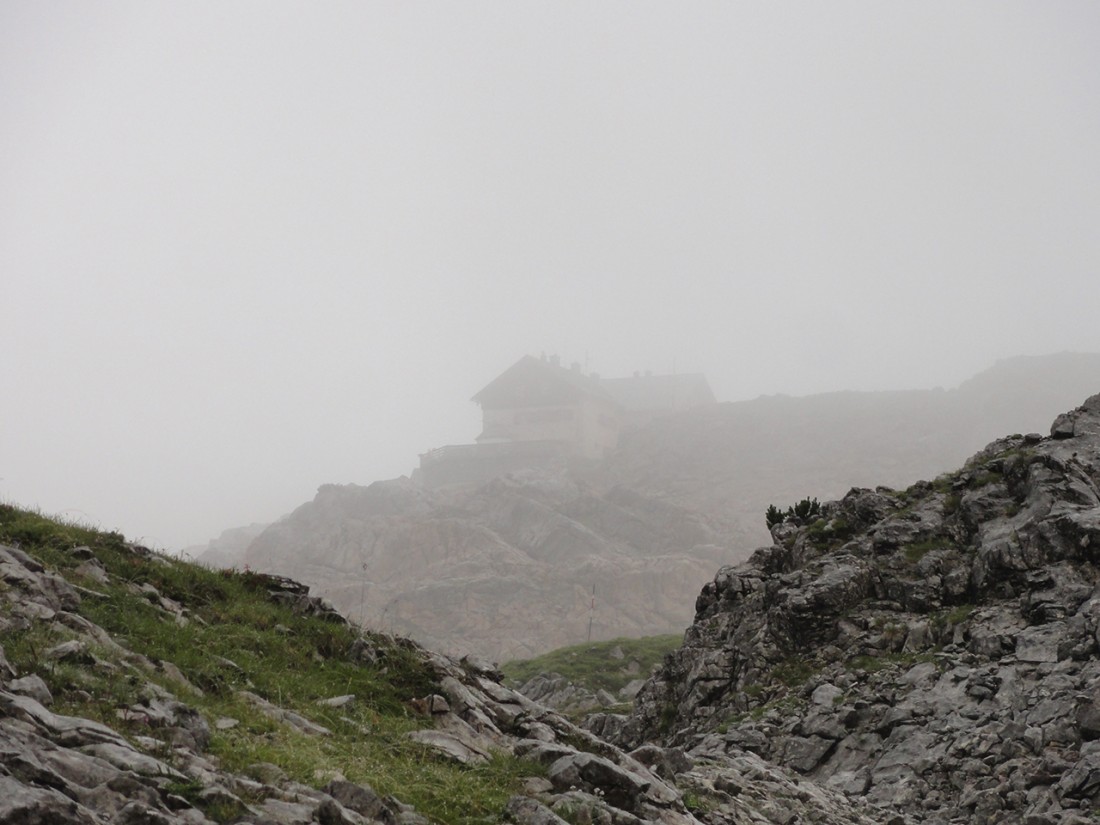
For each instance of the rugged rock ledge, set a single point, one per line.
(647, 528)
(926, 655)
(932, 651)
(452, 568)
(148, 761)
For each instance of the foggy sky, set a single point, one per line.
(249, 248)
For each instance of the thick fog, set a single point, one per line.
(249, 248)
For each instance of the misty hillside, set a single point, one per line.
(732, 460)
(136, 689)
(932, 650)
(506, 569)
(904, 656)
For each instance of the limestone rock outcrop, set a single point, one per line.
(556, 691)
(931, 651)
(927, 655)
(153, 766)
(732, 460)
(505, 570)
(678, 498)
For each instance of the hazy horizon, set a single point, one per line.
(253, 248)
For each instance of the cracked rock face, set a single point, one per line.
(933, 652)
(678, 498)
(927, 655)
(57, 769)
(452, 567)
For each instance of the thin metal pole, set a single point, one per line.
(591, 612)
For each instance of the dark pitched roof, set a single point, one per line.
(536, 382)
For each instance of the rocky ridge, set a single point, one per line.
(931, 651)
(584, 678)
(732, 460)
(560, 693)
(677, 499)
(150, 756)
(451, 568)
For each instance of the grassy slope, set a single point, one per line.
(592, 666)
(291, 660)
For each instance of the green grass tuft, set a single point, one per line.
(793, 672)
(591, 665)
(918, 550)
(291, 660)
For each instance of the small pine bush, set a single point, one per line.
(803, 511)
(774, 516)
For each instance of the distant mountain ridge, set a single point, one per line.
(930, 650)
(519, 565)
(905, 656)
(228, 548)
(138, 689)
(734, 459)
(506, 569)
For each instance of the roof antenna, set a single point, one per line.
(591, 612)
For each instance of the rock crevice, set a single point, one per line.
(932, 651)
